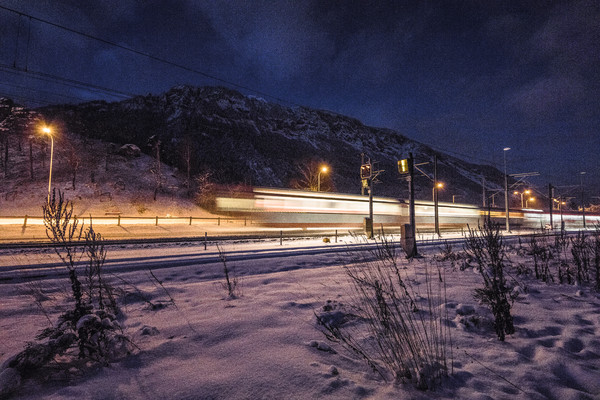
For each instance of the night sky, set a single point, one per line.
(465, 77)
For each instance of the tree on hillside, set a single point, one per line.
(155, 143)
(187, 147)
(74, 162)
(205, 190)
(308, 177)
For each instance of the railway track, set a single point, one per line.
(198, 253)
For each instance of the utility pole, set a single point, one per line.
(506, 206)
(435, 198)
(582, 198)
(562, 222)
(411, 251)
(550, 200)
(483, 187)
(362, 186)
(366, 175)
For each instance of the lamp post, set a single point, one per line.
(531, 199)
(522, 193)
(434, 190)
(322, 170)
(48, 131)
(506, 191)
(581, 174)
(434, 194)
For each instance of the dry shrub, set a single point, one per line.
(486, 246)
(394, 329)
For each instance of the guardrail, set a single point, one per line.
(117, 219)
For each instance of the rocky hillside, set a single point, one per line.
(239, 139)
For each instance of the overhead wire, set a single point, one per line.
(153, 57)
(68, 82)
(66, 96)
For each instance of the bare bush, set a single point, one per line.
(386, 324)
(89, 329)
(560, 249)
(486, 246)
(595, 249)
(542, 255)
(580, 250)
(231, 283)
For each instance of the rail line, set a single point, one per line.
(197, 256)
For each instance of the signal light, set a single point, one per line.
(365, 171)
(403, 166)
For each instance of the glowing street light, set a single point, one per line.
(516, 193)
(323, 169)
(436, 216)
(435, 189)
(531, 199)
(48, 131)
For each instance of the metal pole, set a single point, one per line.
(550, 200)
(51, 157)
(362, 162)
(411, 203)
(506, 192)
(562, 223)
(371, 199)
(483, 186)
(319, 181)
(522, 199)
(582, 201)
(435, 198)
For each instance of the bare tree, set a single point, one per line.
(187, 156)
(74, 162)
(308, 179)
(205, 189)
(155, 143)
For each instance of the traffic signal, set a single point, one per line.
(403, 166)
(365, 171)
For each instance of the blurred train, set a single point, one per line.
(283, 208)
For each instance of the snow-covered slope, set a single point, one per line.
(245, 139)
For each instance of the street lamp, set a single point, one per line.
(322, 170)
(435, 189)
(506, 191)
(522, 193)
(581, 174)
(48, 131)
(531, 199)
(434, 193)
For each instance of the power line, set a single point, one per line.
(67, 82)
(66, 96)
(152, 57)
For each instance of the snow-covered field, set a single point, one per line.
(265, 344)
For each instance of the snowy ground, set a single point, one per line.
(261, 344)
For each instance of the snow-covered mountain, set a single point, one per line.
(245, 139)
